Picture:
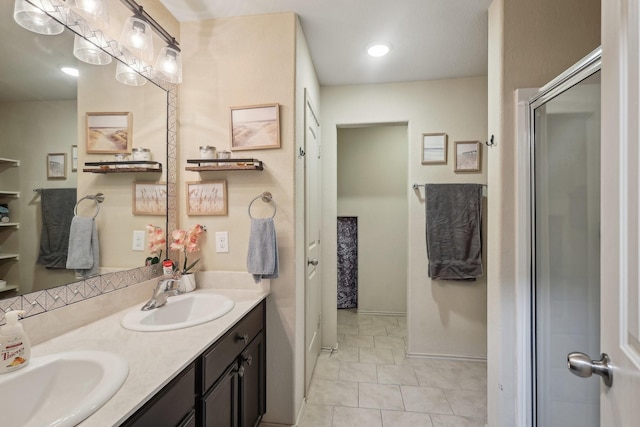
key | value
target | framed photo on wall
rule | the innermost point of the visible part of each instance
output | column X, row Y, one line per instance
column 467, row 156
column 434, row 148
column 207, row 198
column 109, row 133
column 57, row 166
column 255, row 127
column 149, row 198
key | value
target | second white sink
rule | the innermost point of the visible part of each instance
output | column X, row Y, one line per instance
column 179, row 312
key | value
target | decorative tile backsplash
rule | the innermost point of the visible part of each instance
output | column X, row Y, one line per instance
column 51, row 299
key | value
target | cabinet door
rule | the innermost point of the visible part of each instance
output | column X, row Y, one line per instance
column 220, row 405
column 253, row 390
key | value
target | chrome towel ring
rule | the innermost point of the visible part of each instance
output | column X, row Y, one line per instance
column 97, row 198
column 267, row 198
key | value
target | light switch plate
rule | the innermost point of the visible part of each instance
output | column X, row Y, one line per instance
column 138, row 240
column 222, row 241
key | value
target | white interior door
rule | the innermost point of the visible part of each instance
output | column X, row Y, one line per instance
column 312, row 240
column 620, row 262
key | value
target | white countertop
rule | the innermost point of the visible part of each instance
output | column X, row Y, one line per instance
column 154, row 357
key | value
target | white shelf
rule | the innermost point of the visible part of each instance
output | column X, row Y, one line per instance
column 10, row 193
column 9, row 224
column 8, row 288
column 9, row 256
column 11, row 162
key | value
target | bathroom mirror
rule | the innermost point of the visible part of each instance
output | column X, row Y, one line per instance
column 42, row 112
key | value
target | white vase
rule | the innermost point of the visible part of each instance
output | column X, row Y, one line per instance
column 188, row 282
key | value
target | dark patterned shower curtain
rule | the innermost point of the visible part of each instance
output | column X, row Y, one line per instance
column 347, row 262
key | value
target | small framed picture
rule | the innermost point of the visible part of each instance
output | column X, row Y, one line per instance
column 149, row 198
column 109, row 133
column 207, row 198
column 74, row 158
column 255, row 127
column 57, row 166
column 434, row 148
column 467, row 156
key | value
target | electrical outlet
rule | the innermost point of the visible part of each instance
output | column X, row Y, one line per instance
column 138, row 240
column 222, row 241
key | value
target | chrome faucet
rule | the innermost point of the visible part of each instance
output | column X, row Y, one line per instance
column 163, row 290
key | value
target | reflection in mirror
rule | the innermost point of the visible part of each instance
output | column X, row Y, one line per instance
column 43, row 111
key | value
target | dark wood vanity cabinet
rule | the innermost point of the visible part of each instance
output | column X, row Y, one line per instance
column 224, row 387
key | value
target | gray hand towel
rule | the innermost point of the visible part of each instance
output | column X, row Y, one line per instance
column 262, row 258
column 454, row 239
column 84, row 248
column 57, row 211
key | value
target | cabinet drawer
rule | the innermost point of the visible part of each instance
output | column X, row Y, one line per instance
column 223, row 353
column 171, row 405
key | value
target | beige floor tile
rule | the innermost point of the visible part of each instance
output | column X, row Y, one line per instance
column 439, row 376
column 379, row 396
column 376, row 355
column 397, row 374
column 425, row 399
column 316, row 416
column 379, row 330
column 385, row 320
column 356, row 417
column 327, row 392
column 348, row 354
column 397, row 331
column 389, row 342
column 357, row 341
column 358, row 372
column 348, row 329
column 400, row 356
column 405, row 419
column 327, row 369
column 473, row 378
column 468, row 403
column 455, row 421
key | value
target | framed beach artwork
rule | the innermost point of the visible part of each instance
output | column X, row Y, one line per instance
column 109, row 133
column 255, row 127
column 467, row 156
column 149, row 198
column 207, row 198
column 57, row 166
column 434, row 148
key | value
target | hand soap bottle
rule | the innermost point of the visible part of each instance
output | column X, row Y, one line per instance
column 15, row 349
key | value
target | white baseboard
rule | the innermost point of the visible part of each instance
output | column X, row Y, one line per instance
column 447, row 357
column 383, row 313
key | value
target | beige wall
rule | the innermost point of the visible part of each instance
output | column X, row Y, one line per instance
column 529, row 44
column 443, row 318
column 239, row 62
column 372, row 179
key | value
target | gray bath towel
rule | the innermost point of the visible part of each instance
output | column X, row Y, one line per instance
column 84, row 248
column 454, row 239
column 57, row 211
column 262, row 258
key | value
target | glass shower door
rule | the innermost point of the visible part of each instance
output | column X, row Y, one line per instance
column 566, row 253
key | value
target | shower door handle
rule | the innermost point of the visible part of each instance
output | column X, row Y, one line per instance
column 581, row 365
column 312, row 261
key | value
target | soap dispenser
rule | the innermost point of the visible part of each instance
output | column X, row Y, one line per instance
column 15, row 349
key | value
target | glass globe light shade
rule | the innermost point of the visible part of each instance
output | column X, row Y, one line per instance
column 94, row 11
column 128, row 76
column 87, row 52
column 34, row 19
column 137, row 37
column 169, row 65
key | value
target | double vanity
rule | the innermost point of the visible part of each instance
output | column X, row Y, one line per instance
column 176, row 366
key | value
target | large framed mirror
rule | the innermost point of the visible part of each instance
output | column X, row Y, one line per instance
column 43, row 112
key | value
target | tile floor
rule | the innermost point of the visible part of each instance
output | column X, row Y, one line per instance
column 369, row 382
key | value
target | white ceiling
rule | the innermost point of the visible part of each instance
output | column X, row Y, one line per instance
column 432, row 39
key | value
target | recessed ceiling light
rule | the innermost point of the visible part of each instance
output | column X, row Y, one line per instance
column 70, row 71
column 378, row 49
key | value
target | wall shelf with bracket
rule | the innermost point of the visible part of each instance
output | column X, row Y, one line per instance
column 206, row 165
column 122, row 167
column 10, row 162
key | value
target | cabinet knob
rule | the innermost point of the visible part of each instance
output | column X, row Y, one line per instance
column 247, row 359
column 243, row 337
column 241, row 371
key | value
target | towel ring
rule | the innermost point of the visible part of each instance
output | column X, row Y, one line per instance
column 98, row 198
column 267, row 198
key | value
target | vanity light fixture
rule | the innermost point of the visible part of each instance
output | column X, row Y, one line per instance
column 70, row 71
column 169, row 64
column 96, row 12
column 378, row 49
column 137, row 38
column 128, row 76
column 34, row 19
column 88, row 52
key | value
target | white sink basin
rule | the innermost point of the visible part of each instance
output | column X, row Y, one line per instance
column 60, row 389
column 179, row 312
